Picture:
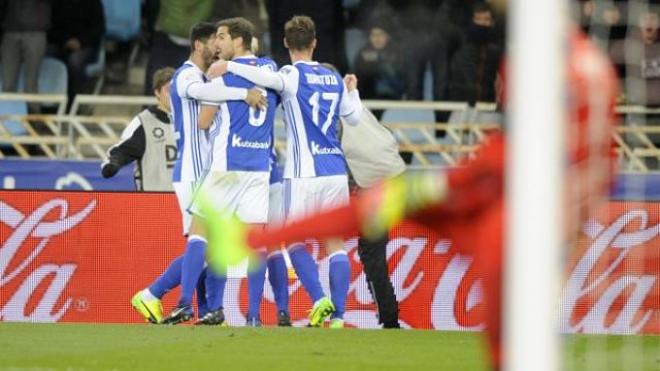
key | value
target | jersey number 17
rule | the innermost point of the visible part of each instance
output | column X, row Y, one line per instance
column 314, row 100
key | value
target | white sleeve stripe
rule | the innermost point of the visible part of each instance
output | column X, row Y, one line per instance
column 130, row 128
column 297, row 144
column 294, row 131
column 283, row 84
column 193, row 139
column 196, row 149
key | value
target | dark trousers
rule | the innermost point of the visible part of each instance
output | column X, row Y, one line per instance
column 373, row 254
column 28, row 49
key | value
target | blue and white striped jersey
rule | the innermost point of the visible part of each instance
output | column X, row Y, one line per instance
column 313, row 98
column 193, row 146
column 275, row 171
column 244, row 139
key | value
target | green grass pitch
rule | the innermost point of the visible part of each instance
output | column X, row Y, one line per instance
column 89, row 346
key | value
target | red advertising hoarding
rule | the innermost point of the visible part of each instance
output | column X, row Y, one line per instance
column 80, row 256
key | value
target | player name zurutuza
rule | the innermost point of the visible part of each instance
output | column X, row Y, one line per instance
column 313, row 79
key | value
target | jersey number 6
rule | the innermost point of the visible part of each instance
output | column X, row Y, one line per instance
column 258, row 117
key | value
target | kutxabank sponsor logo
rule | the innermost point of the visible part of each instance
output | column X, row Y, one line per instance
column 238, row 142
column 32, row 225
column 318, row 150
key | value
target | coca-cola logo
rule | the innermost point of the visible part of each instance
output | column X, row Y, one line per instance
column 588, row 278
column 28, row 226
column 611, row 284
column 598, row 276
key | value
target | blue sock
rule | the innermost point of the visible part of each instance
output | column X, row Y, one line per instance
column 340, row 277
column 170, row 279
column 193, row 264
column 256, row 277
column 215, row 289
column 307, row 271
column 279, row 281
column 202, row 304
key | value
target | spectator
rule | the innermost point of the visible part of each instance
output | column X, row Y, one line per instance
column 421, row 42
column 248, row 9
column 639, row 57
column 148, row 140
column 75, row 37
column 328, row 15
column 605, row 21
column 473, row 68
column 170, row 46
column 25, row 23
column 379, row 66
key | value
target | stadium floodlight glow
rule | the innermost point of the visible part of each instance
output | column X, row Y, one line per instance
column 537, row 40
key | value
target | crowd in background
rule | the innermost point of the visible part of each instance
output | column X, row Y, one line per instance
column 69, row 30
column 459, row 43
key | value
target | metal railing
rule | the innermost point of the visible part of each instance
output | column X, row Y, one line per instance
column 78, row 136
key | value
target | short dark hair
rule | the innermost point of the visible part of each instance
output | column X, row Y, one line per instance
column 201, row 32
column 299, row 32
column 239, row 27
column 161, row 77
column 481, row 7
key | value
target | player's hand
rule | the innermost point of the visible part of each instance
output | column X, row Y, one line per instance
column 109, row 169
column 351, row 82
column 217, row 69
column 256, row 98
column 72, row 44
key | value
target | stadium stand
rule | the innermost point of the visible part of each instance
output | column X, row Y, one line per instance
column 122, row 19
column 13, row 107
column 76, row 136
column 52, row 77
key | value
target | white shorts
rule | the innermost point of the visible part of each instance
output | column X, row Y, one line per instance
column 275, row 205
column 306, row 196
column 184, row 194
column 244, row 193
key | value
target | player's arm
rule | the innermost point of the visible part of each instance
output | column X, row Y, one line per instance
column 283, row 81
column 259, row 76
column 350, row 107
column 131, row 148
column 215, row 92
column 206, row 115
column 190, row 85
column 255, row 98
column 423, row 197
column 470, row 186
column 373, row 212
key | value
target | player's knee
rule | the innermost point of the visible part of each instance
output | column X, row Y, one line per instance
column 197, row 227
column 274, row 253
column 334, row 245
column 295, row 246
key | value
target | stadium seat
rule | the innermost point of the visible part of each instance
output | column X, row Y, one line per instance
column 14, row 108
column 122, row 19
column 53, row 77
